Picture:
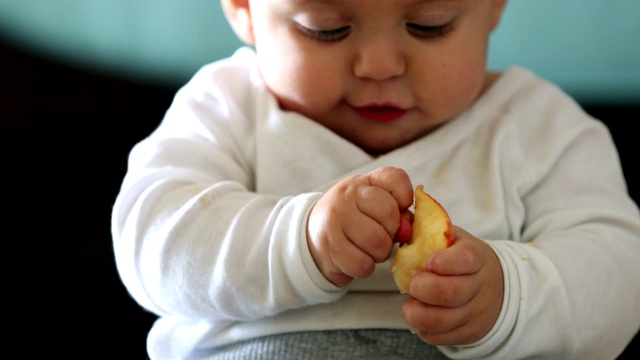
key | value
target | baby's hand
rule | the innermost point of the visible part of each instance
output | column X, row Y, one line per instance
column 353, row 225
column 458, row 300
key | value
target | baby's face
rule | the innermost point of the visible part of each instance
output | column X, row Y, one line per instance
column 380, row 73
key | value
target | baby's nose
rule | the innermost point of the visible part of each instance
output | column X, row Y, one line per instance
column 379, row 59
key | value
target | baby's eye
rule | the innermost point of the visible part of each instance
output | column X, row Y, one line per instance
column 326, row 35
column 429, row 31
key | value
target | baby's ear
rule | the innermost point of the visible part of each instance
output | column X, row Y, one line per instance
column 498, row 9
column 238, row 13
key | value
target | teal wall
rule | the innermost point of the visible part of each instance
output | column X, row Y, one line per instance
column 591, row 48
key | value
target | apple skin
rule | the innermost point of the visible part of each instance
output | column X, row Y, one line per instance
column 432, row 231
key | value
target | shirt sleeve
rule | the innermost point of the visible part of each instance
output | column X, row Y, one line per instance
column 572, row 281
column 191, row 238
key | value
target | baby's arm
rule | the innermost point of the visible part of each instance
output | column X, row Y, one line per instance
column 192, row 236
column 571, row 277
column 191, row 245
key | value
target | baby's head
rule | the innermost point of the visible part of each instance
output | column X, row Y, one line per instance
column 379, row 73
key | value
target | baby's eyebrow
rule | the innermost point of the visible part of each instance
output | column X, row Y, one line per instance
column 403, row 2
column 319, row 4
column 417, row 2
column 316, row 1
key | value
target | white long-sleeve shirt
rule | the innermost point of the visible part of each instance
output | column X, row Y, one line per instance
column 209, row 227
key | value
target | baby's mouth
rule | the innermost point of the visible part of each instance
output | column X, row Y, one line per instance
column 380, row 113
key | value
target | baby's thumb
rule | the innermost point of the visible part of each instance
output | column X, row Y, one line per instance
column 405, row 229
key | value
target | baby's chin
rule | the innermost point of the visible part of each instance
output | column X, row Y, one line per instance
column 380, row 146
column 385, row 141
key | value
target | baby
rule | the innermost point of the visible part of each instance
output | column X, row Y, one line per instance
column 259, row 219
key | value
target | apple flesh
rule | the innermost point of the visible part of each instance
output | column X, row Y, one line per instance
column 432, row 231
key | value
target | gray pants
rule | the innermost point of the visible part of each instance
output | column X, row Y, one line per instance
column 370, row 344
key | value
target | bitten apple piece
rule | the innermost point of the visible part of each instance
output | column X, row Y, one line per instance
column 432, row 231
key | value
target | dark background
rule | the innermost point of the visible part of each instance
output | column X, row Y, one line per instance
column 65, row 134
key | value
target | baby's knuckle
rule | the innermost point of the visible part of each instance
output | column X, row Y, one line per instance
column 467, row 257
column 380, row 245
column 448, row 292
column 432, row 323
column 363, row 267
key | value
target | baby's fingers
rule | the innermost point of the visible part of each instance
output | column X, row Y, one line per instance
column 380, row 206
column 443, row 291
column 396, row 182
column 370, row 237
column 352, row 263
column 434, row 324
column 464, row 257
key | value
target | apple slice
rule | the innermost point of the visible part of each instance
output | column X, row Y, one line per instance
column 432, row 231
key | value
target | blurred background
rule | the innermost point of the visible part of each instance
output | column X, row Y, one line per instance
column 590, row 48
column 84, row 80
